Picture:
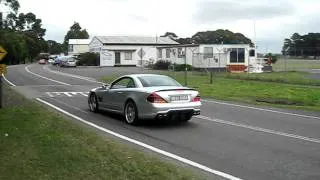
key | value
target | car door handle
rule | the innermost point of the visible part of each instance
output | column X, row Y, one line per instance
column 120, row 92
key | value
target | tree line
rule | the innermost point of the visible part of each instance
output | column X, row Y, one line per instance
column 22, row 35
column 220, row 36
column 302, row 45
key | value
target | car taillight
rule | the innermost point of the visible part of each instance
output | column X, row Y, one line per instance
column 196, row 99
column 155, row 98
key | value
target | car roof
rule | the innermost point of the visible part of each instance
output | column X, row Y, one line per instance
column 141, row 75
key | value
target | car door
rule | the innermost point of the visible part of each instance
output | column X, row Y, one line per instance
column 117, row 94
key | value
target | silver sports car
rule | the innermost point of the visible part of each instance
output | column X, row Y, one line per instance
column 146, row 96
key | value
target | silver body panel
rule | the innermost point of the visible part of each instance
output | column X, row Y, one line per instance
column 114, row 99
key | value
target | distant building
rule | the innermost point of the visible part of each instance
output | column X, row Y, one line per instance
column 232, row 57
column 127, row 50
column 78, row 46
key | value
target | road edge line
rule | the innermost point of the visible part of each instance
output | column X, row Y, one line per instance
column 8, row 81
column 162, row 152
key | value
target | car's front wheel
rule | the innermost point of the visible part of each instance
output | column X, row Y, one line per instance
column 93, row 102
column 131, row 113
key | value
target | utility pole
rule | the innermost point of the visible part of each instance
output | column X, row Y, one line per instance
column 185, row 65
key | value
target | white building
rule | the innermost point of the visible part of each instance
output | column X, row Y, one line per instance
column 127, row 50
column 78, row 46
column 234, row 57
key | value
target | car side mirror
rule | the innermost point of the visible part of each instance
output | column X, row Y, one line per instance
column 105, row 86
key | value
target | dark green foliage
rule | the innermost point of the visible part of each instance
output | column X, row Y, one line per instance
column 89, row 59
column 54, row 47
column 162, row 65
column 216, row 37
column 274, row 58
column 182, row 67
column 75, row 32
column 302, row 45
column 21, row 34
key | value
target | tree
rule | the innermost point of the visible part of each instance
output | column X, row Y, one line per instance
column 21, row 35
column 12, row 4
column 302, row 45
column 170, row 35
column 219, row 36
column 54, row 47
column 75, row 32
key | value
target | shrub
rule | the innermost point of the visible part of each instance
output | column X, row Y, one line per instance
column 182, row 67
column 162, row 65
column 89, row 59
column 274, row 58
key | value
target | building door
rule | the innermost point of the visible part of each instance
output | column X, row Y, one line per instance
column 117, row 57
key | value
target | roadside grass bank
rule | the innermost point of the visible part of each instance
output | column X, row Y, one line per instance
column 250, row 92
column 298, row 78
column 38, row 143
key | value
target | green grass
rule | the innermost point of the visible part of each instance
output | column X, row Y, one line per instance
column 295, row 65
column 252, row 92
column 36, row 143
column 299, row 78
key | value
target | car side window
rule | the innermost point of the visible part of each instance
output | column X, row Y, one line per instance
column 123, row 83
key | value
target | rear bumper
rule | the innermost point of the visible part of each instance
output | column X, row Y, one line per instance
column 175, row 114
column 170, row 113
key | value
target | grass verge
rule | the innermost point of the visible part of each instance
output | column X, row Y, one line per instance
column 251, row 92
column 299, row 78
column 37, row 143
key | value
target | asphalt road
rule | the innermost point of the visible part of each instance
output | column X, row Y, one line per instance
column 245, row 142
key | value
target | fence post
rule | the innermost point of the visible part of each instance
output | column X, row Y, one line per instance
column 211, row 77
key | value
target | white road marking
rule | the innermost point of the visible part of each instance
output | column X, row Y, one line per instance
column 165, row 153
column 27, row 69
column 261, row 109
column 49, row 94
column 255, row 128
column 69, row 94
column 11, row 84
column 83, row 94
column 72, row 75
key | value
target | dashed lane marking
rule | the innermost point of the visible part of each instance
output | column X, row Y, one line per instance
column 67, row 94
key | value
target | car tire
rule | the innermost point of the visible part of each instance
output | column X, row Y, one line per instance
column 131, row 113
column 93, row 102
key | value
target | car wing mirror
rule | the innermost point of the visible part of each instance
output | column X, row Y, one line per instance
column 106, row 86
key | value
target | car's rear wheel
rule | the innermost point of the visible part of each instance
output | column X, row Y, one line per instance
column 131, row 113
column 93, row 103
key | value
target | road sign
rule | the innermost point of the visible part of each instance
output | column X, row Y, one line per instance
column 3, row 69
column 3, row 53
column 141, row 53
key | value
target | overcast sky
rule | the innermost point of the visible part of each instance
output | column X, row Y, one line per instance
column 274, row 19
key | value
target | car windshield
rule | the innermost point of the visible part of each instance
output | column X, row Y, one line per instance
column 151, row 81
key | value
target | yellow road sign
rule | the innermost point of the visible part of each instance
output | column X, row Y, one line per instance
column 3, row 69
column 3, row 53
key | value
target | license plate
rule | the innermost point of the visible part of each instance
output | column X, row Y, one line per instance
column 179, row 98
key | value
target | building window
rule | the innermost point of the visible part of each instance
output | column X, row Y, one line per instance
column 159, row 53
column 167, row 53
column 252, row 53
column 208, row 52
column 180, row 53
column 237, row 55
column 128, row 55
column 70, row 48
